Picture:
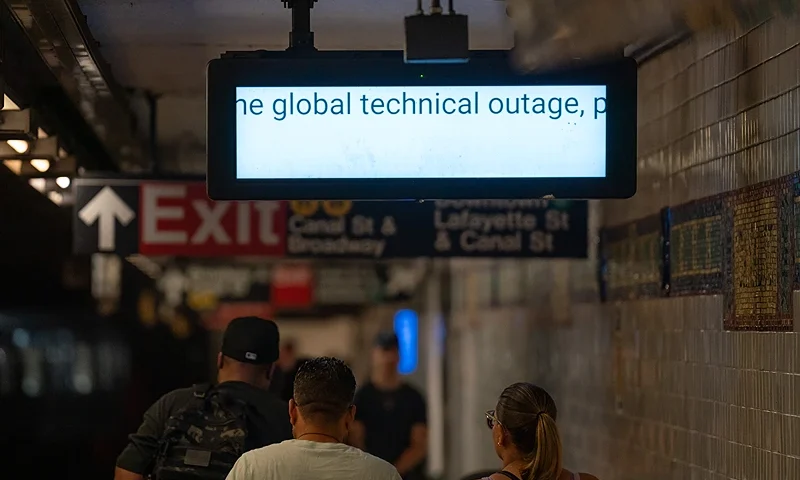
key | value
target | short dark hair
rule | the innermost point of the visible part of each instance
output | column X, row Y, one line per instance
column 387, row 341
column 324, row 388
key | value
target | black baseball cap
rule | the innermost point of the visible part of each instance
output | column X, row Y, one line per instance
column 251, row 340
column 387, row 341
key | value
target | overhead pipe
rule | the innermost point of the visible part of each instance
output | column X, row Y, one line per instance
column 550, row 33
column 58, row 29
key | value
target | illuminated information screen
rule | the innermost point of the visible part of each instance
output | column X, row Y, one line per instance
column 367, row 126
column 421, row 132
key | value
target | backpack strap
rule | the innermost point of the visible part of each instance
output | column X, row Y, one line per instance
column 255, row 427
column 200, row 393
column 201, row 390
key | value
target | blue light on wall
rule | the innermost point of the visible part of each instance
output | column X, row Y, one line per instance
column 406, row 327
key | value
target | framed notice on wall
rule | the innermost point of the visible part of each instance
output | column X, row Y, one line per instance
column 367, row 126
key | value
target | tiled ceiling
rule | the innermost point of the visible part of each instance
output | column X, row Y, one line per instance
column 163, row 45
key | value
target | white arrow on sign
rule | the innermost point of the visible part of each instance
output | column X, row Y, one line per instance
column 106, row 208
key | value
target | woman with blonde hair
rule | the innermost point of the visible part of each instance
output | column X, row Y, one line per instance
column 526, row 437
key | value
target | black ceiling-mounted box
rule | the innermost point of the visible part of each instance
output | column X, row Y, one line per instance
column 437, row 38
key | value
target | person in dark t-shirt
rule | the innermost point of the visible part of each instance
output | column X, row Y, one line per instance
column 246, row 363
column 391, row 415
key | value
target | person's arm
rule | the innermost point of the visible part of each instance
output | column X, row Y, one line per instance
column 122, row 474
column 418, row 448
column 136, row 459
column 416, row 451
column 357, row 434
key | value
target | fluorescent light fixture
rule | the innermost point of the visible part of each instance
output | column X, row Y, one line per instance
column 40, row 164
column 63, row 182
column 55, row 197
column 38, row 184
column 9, row 104
column 146, row 265
column 13, row 165
column 19, row 146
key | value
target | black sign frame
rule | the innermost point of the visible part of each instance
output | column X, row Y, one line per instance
column 486, row 68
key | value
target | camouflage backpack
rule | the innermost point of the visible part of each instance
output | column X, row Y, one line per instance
column 203, row 440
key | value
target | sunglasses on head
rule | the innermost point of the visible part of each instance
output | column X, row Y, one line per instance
column 491, row 419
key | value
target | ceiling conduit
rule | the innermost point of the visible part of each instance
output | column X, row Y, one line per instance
column 550, row 33
column 58, row 29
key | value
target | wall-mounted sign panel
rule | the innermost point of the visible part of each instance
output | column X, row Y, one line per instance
column 344, row 126
column 175, row 218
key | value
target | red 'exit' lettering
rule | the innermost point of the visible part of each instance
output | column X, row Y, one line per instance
column 179, row 219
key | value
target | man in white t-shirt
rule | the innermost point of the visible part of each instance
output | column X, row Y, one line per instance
column 321, row 413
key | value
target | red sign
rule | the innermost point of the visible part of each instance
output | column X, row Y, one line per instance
column 292, row 286
column 179, row 219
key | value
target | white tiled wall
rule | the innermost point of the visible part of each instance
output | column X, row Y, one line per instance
column 655, row 388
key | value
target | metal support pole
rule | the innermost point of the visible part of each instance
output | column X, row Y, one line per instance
column 301, row 37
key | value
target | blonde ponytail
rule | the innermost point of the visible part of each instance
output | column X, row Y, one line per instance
column 545, row 461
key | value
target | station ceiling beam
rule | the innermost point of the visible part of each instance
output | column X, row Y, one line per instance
column 57, row 31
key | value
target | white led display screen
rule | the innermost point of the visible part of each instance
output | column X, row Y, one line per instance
column 421, row 132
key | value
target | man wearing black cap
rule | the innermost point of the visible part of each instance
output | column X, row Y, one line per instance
column 246, row 363
column 391, row 415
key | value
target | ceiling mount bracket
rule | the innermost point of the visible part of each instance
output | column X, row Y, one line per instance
column 301, row 38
